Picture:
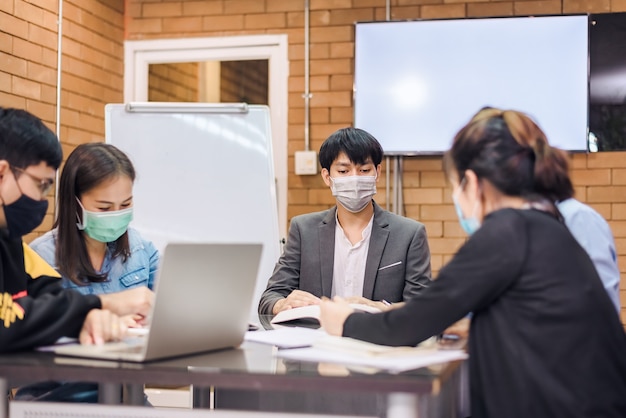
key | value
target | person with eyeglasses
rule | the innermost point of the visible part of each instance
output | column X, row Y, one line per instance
column 38, row 311
column 93, row 247
column 545, row 339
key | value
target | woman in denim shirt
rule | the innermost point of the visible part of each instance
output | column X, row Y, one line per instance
column 138, row 270
column 91, row 245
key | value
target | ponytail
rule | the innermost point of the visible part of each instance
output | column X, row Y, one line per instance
column 512, row 152
column 551, row 177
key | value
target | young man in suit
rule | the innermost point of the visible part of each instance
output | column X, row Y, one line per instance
column 355, row 250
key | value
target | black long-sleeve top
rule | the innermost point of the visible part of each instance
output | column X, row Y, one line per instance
column 545, row 340
column 35, row 311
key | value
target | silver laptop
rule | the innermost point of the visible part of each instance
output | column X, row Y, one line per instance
column 202, row 302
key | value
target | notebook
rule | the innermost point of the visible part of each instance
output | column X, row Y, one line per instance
column 203, row 298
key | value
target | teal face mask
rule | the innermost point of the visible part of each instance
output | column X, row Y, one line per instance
column 105, row 226
column 469, row 225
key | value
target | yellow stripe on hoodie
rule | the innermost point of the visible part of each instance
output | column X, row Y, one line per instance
column 36, row 266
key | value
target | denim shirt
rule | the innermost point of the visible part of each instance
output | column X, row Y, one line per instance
column 138, row 270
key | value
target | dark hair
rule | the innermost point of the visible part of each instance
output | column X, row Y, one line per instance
column 25, row 140
column 88, row 166
column 359, row 145
column 509, row 150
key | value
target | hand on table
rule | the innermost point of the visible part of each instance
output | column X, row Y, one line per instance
column 295, row 299
column 382, row 305
column 102, row 325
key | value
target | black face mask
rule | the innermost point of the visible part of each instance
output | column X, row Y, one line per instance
column 24, row 215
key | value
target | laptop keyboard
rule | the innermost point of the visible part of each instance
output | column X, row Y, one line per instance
column 128, row 345
column 129, row 349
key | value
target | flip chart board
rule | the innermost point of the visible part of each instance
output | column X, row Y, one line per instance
column 204, row 174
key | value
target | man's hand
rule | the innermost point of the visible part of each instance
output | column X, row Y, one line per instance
column 365, row 301
column 101, row 326
column 295, row 299
column 137, row 301
column 382, row 305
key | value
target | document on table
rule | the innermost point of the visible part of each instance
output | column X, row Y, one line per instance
column 312, row 312
column 288, row 337
column 350, row 352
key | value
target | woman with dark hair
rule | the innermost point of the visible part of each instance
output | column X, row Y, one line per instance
column 92, row 246
column 545, row 340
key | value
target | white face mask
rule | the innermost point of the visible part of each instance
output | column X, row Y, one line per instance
column 353, row 192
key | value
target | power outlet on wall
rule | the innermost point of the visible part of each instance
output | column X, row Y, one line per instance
column 306, row 162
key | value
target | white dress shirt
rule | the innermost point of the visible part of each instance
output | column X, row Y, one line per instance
column 349, row 264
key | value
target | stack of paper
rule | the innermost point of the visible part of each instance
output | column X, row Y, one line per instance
column 394, row 363
column 288, row 337
column 363, row 348
column 306, row 344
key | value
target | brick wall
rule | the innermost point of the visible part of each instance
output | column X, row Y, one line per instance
column 244, row 81
column 28, row 62
column 600, row 179
column 173, row 82
column 92, row 66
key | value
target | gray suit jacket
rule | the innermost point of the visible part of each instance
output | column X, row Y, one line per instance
column 397, row 266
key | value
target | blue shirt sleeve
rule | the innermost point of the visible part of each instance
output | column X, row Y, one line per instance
column 45, row 246
column 153, row 255
column 594, row 234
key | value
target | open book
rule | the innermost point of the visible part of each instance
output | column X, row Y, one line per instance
column 312, row 312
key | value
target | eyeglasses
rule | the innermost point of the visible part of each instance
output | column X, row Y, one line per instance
column 44, row 185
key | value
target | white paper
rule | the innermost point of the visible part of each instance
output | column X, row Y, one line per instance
column 356, row 347
column 288, row 337
column 392, row 364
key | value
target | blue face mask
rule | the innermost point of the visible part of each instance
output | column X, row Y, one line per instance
column 469, row 225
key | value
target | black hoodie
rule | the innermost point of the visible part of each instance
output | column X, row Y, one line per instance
column 35, row 311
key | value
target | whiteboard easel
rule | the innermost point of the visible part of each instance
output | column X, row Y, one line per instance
column 204, row 173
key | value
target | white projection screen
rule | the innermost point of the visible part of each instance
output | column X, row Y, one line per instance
column 418, row 82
